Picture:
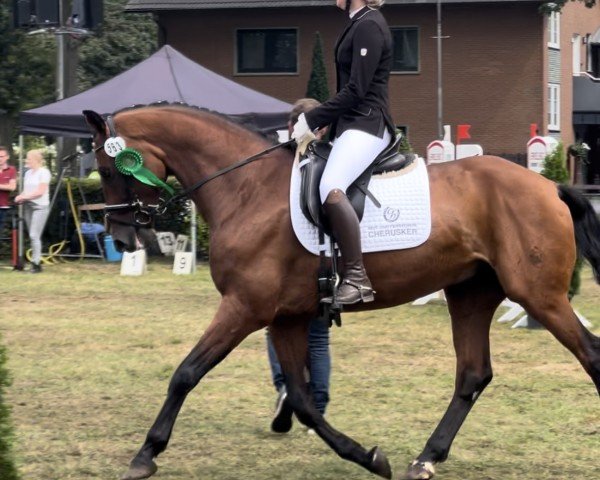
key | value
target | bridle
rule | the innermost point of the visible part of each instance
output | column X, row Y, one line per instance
column 144, row 213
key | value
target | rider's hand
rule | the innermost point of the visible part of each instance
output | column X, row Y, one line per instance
column 301, row 130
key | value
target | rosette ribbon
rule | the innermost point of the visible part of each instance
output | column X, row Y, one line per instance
column 131, row 162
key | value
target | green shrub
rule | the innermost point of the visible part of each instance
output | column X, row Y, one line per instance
column 61, row 226
column 555, row 165
column 8, row 470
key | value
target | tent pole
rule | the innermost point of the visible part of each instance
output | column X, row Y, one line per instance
column 193, row 233
column 20, row 249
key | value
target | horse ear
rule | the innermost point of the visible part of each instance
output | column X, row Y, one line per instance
column 95, row 121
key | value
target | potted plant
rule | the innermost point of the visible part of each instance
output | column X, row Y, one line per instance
column 578, row 167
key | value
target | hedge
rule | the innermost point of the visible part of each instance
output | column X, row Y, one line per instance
column 8, row 471
column 60, row 222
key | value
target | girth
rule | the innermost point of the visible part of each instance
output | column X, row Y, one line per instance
column 312, row 165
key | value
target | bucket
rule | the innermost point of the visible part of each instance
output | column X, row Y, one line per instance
column 110, row 251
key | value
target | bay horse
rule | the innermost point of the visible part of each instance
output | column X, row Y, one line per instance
column 498, row 231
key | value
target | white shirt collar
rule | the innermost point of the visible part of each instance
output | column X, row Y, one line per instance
column 354, row 12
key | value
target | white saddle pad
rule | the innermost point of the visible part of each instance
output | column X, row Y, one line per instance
column 403, row 221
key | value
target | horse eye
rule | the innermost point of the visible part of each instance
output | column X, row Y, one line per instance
column 104, row 172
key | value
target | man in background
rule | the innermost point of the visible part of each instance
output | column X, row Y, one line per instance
column 8, row 183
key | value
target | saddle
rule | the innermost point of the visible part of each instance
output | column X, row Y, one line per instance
column 312, row 165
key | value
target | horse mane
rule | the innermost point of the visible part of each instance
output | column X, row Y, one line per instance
column 238, row 121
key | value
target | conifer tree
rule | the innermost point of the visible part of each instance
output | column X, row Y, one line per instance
column 8, row 470
column 317, row 84
column 555, row 165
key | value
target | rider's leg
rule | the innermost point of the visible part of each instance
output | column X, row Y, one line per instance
column 352, row 153
column 355, row 286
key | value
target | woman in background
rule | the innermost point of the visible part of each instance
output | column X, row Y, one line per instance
column 35, row 198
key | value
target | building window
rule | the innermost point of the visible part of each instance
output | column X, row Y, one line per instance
column 554, row 30
column 576, row 54
column 553, row 107
column 406, row 49
column 267, row 51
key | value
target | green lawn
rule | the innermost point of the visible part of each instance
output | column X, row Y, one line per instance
column 91, row 354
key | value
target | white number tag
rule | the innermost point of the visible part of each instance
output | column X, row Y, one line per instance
column 113, row 146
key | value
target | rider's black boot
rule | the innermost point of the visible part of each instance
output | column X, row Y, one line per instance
column 355, row 286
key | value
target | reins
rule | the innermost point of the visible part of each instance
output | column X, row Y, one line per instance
column 223, row 171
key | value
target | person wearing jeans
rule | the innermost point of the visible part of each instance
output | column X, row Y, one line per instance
column 35, row 198
column 319, row 359
column 319, row 370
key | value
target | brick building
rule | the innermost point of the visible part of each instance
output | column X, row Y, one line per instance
column 505, row 65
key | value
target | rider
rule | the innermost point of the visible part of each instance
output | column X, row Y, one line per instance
column 362, row 126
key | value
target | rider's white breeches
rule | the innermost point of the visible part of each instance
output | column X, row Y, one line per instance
column 352, row 153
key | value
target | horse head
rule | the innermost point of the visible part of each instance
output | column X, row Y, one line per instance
column 132, row 173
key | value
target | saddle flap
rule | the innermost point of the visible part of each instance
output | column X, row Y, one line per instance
column 313, row 164
column 311, row 168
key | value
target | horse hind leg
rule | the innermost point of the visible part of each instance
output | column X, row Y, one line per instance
column 289, row 338
column 555, row 313
column 472, row 305
column 226, row 331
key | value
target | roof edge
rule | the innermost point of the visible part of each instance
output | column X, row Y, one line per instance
column 141, row 6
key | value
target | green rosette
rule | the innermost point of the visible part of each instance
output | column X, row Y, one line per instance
column 131, row 162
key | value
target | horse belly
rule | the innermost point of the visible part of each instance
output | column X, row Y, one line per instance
column 403, row 276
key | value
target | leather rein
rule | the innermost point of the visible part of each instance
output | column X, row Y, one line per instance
column 143, row 213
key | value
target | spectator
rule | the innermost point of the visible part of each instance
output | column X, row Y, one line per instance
column 319, row 359
column 8, row 183
column 35, row 198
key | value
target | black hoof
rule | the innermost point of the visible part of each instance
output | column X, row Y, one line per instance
column 137, row 471
column 379, row 464
column 282, row 420
column 419, row 471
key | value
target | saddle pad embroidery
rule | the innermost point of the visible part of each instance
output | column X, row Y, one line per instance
column 403, row 221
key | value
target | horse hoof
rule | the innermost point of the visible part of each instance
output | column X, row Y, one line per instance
column 138, row 471
column 379, row 464
column 420, row 471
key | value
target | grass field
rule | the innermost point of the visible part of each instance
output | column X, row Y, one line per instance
column 91, row 354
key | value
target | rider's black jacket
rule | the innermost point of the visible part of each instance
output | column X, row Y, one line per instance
column 363, row 55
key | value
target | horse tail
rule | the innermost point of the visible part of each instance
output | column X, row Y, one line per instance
column 587, row 226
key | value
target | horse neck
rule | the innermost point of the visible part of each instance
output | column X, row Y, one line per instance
column 240, row 193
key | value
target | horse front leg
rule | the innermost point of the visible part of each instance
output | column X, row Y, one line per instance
column 472, row 305
column 289, row 338
column 229, row 327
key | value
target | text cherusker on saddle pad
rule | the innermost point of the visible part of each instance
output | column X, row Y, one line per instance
column 403, row 221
